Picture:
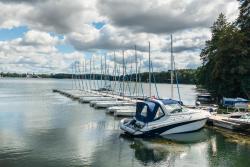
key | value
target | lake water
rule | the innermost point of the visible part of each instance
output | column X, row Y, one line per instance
column 42, row 128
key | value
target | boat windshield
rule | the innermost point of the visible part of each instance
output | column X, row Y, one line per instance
column 175, row 108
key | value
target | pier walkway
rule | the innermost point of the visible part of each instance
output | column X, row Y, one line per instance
column 123, row 106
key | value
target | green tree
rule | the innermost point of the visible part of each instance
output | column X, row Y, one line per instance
column 225, row 61
column 243, row 22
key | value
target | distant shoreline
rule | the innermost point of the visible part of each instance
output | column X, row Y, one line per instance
column 88, row 79
column 185, row 76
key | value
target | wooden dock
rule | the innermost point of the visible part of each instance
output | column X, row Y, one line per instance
column 221, row 120
column 103, row 100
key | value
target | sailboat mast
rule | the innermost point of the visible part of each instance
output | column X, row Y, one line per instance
column 114, row 74
column 77, row 84
column 93, row 64
column 101, row 72
column 72, row 70
column 149, row 68
column 123, row 73
column 136, row 67
column 83, row 74
column 105, row 70
column 90, row 68
column 172, row 69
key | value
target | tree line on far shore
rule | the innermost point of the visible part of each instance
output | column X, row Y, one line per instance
column 185, row 76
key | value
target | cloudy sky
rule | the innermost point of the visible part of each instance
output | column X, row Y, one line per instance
column 47, row 36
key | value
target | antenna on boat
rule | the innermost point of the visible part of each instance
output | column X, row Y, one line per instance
column 149, row 68
column 172, row 69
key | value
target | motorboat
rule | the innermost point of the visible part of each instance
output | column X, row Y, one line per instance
column 205, row 98
column 240, row 117
column 163, row 117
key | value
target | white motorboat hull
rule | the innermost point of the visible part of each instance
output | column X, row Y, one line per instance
column 190, row 127
column 151, row 120
column 174, row 128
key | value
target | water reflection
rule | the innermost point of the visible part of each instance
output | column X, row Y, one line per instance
column 168, row 150
column 147, row 153
column 192, row 137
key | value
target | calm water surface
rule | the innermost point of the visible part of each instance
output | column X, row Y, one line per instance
column 41, row 128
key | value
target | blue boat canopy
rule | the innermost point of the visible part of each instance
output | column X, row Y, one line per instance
column 230, row 102
column 151, row 109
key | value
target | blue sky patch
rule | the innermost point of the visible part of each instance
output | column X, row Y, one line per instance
column 13, row 33
column 98, row 25
column 65, row 48
column 53, row 34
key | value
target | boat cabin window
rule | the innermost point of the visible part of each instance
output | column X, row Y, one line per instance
column 174, row 108
column 171, row 107
column 177, row 110
column 144, row 111
column 159, row 113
